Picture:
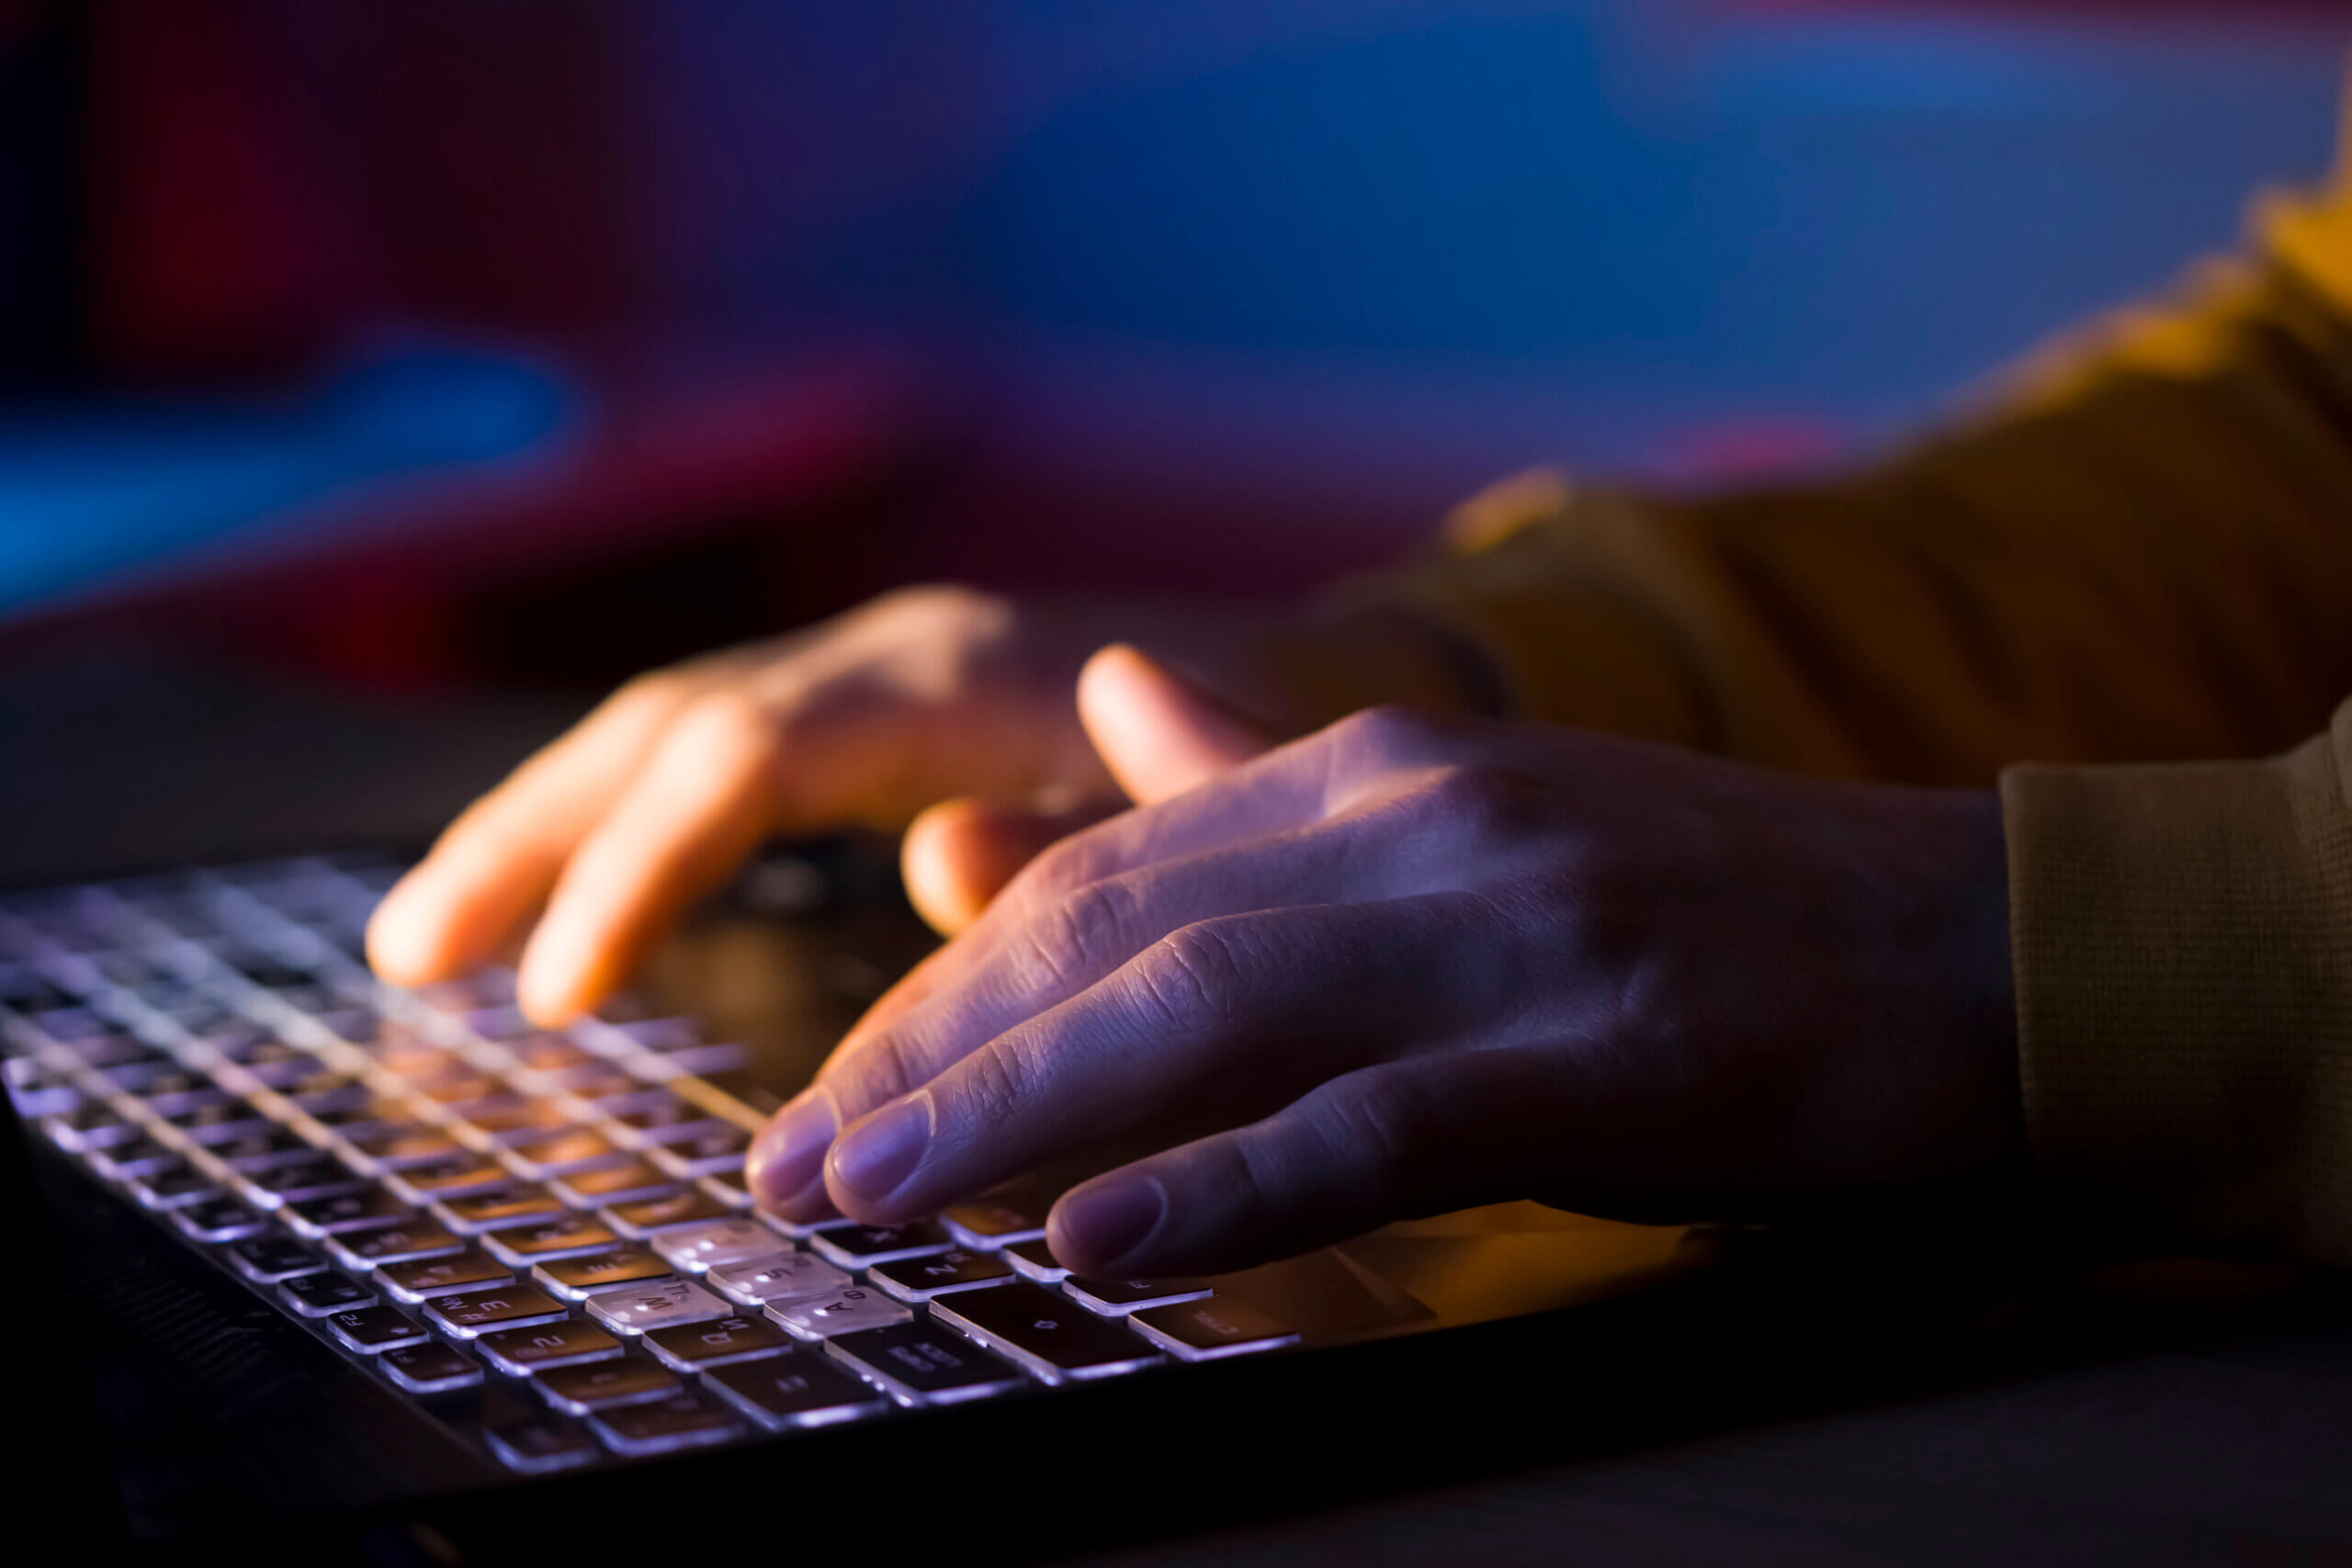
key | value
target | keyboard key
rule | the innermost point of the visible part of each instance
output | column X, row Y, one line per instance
column 372, row 1330
column 715, row 1243
column 461, row 1176
column 256, row 1151
column 519, row 1352
column 709, row 1153
column 505, row 1119
column 369, row 1208
column 565, row 1153
column 502, row 1210
column 414, row 1283
column 797, row 1390
column 315, row 1295
column 88, row 1126
column 921, row 1278
column 1204, row 1330
column 727, row 1187
column 921, row 1363
column 430, row 1367
column 606, row 1384
column 642, row 1310
column 174, row 1186
column 651, row 1216
column 217, row 1219
column 218, row 1120
column 541, row 1442
column 671, row 1116
column 484, row 1312
column 577, row 1278
column 321, row 1176
column 633, row 1181
column 401, row 1145
column 695, row 1346
column 575, row 1235
column 265, row 1259
column 1052, row 1336
column 405, row 1242
column 786, row 1275
column 840, row 1312
column 860, row 1246
column 140, row 1156
column 997, row 1222
column 1116, row 1298
column 685, row 1421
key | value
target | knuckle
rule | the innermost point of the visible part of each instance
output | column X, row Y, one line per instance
column 1191, row 978
column 1480, row 800
column 1000, row 1080
column 1057, row 946
column 726, row 721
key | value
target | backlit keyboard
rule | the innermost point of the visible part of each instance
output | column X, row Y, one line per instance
column 543, row 1238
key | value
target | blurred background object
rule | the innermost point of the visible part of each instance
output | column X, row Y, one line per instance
column 424, row 345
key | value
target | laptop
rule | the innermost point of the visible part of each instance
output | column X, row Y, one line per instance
column 349, row 1263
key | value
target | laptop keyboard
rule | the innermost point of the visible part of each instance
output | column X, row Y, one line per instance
column 541, row 1238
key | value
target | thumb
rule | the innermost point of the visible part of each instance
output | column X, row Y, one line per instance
column 1159, row 733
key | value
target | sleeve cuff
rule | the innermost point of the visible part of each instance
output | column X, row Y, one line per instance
column 2183, row 941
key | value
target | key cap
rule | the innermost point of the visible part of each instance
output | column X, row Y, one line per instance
column 430, row 1367
column 407, row 1242
column 577, row 1278
column 695, row 1346
column 684, row 1421
column 715, row 1243
column 651, row 1216
column 996, row 1221
column 520, row 1352
column 140, row 1156
column 539, row 1443
column 842, row 1312
column 174, row 1186
column 460, row 1176
column 218, row 1120
column 1054, row 1338
column 860, row 1246
column 372, row 1330
column 727, row 1187
column 603, row 1385
column 414, row 1283
column 256, row 1151
column 315, row 1295
column 88, row 1126
column 631, row 1182
column 797, row 1390
column 1204, row 1330
column 368, row 1209
column 404, row 1145
column 322, row 1176
column 704, row 1154
column 785, row 1276
column 574, row 1150
column 573, row 1236
column 217, row 1219
column 921, row 1363
column 265, row 1259
column 502, row 1210
column 671, row 1116
column 641, row 1309
column 1116, row 1298
column 921, row 1278
column 512, row 1307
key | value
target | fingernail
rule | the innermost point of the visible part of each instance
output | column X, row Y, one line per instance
column 873, row 1161
column 789, row 1154
column 1109, row 1220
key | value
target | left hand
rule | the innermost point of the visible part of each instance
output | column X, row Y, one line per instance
column 1416, row 964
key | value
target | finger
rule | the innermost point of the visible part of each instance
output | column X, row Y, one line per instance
column 959, row 854
column 494, row 863
column 1158, row 733
column 1244, row 1008
column 1396, row 1141
column 703, row 802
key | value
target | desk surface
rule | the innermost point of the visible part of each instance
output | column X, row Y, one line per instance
column 2158, row 1414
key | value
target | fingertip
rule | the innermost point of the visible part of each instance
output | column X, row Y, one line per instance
column 936, row 861
column 407, row 944
column 1105, row 1227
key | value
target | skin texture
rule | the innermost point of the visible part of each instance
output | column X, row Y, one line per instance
column 1408, row 964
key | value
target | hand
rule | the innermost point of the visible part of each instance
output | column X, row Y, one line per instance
column 919, row 697
column 1413, row 964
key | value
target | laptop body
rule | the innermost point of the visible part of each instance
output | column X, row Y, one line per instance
column 233, row 1410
